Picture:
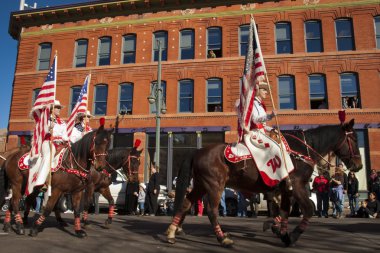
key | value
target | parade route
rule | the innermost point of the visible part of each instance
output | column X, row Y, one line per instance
column 146, row 234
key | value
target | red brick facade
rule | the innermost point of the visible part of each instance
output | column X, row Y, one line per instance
column 63, row 26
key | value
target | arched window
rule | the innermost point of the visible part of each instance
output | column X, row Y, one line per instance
column 284, row 38
column 75, row 91
column 100, row 99
column 317, row 89
column 126, row 98
column 80, row 57
column 286, row 92
column 214, row 95
column 129, row 49
column 104, row 51
column 162, row 37
column 187, row 44
column 344, row 35
column 44, row 54
column 313, row 36
column 350, row 93
column 214, row 42
column 186, row 96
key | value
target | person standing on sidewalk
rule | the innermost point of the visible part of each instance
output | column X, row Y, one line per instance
column 321, row 188
column 353, row 193
column 153, row 190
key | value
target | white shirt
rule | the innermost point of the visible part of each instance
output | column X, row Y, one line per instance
column 60, row 132
column 76, row 135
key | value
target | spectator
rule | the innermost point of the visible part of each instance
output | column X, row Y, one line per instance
column 199, row 207
column 372, row 179
column 353, row 193
column 321, row 188
column 141, row 197
column 131, row 195
column 242, row 207
column 376, row 184
column 211, row 54
column 336, row 194
column 354, row 102
column 153, row 190
column 370, row 207
column 345, row 185
column 223, row 203
column 345, row 102
column 254, row 202
column 39, row 199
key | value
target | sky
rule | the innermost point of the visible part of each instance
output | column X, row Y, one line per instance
column 8, row 48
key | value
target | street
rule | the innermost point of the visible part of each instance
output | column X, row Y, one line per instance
column 146, row 234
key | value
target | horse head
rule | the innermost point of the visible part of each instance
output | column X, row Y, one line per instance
column 132, row 164
column 347, row 148
column 99, row 146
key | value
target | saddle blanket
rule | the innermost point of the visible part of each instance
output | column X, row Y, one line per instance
column 23, row 162
column 237, row 152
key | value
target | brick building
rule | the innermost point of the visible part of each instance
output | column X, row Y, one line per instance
column 317, row 54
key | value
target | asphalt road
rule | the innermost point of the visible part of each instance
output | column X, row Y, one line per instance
column 146, row 234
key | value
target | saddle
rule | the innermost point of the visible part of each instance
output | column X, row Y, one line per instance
column 23, row 162
column 237, row 152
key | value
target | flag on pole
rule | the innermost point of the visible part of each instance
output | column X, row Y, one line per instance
column 80, row 106
column 254, row 72
column 41, row 109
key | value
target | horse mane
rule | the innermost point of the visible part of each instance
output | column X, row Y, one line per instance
column 117, row 155
column 80, row 148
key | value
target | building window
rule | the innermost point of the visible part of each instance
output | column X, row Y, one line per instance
column 350, row 90
column 80, row 57
column 186, row 95
column 214, row 42
column 44, row 56
column 100, row 101
column 161, row 36
column 187, row 44
column 126, row 98
column 317, row 89
column 129, row 49
column 284, row 38
column 214, row 95
column 344, row 35
column 163, row 87
column 75, row 91
column 286, row 92
column 35, row 95
column 313, row 36
column 244, row 37
column 377, row 31
column 104, row 55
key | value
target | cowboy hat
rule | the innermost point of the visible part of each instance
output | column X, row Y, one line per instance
column 263, row 85
column 142, row 185
column 87, row 114
column 57, row 104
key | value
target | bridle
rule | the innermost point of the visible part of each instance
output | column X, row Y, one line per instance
column 128, row 163
column 94, row 155
column 348, row 137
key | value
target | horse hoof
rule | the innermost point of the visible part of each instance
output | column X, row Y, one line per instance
column 276, row 230
column 285, row 239
column 180, row 232
column 7, row 227
column 171, row 240
column 33, row 232
column 227, row 242
column 107, row 223
column 80, row 233
column 20, row 229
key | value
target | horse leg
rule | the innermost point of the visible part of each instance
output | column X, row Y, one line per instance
column 111, row 205
column 7, row 221
column 59, row 219
column 52, row 200
column 178, row 218
column 302, row 197
column 20, row 230
column 213, row 212
column 88, row 193
column 76, row 198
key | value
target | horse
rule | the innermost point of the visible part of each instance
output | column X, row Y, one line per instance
column 129, row 161
column 211, row 172
column 71, row 178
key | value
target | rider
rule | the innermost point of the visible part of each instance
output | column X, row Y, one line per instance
column 81, row 126
column 59, row 138
column 259, row 130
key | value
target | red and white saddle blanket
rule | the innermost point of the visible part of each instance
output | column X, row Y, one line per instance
column 266, row 153
column 23, row 162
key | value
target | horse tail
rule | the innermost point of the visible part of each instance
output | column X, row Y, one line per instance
column 183, row 181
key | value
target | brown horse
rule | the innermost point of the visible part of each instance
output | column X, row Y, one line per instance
column 71, row 178
column 129, row 161
column 212, row 172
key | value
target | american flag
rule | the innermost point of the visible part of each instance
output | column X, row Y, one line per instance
column 80, row 106
column 254, row 72
column 41, row 109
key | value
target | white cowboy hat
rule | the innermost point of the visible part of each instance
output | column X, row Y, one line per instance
column 142, row 185
column 57, row 104
column 88, row 114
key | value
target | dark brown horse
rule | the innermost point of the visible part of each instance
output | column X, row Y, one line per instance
column 212, row 172
column 129, row 161
column 71, row 178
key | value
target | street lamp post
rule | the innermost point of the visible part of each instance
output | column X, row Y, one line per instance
column 156, row 97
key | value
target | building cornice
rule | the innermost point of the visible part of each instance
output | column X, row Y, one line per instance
column 62, row 14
